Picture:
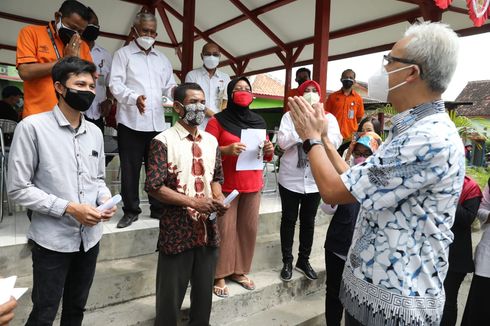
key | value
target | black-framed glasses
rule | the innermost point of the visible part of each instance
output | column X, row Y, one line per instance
column 390, row 59
column 359, row 154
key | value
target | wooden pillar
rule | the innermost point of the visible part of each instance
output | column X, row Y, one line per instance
column 430, row 11
column 188, row 37
column 321, row 40
column 288, row 66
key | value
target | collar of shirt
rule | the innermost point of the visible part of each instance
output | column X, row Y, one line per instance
column 134, row 48
column 404, row 120
column 184, row 133
column 216, row 74
column 352, row 92
column 63, row 122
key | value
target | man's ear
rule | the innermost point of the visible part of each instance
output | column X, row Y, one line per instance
column 177, row 108
column 58, row 88
column 414, row 74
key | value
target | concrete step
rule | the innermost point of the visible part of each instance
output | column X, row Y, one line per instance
column 270, row 292
column 306, row 311
column 121, row 280
column 138, row 239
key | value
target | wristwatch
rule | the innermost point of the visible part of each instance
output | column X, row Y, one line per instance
column 309, row 143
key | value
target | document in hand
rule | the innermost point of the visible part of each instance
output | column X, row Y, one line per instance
column 7, row 289
column 251, row 158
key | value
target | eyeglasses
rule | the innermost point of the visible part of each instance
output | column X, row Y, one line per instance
column 387, row 59
column 214, row 54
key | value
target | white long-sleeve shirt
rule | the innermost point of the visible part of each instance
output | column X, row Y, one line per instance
column 102, row 60
column 300, row 180
column 135, row 73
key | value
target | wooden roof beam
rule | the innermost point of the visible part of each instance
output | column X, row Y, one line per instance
column 259, row 24
column 169, row 29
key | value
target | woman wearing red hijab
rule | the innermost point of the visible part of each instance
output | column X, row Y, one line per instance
column 297, row 187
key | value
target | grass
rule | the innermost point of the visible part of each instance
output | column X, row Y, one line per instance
column 480, row 174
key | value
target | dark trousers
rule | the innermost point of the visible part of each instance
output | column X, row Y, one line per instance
column 59, row 275
column 291, row 202
column 133, row 150
column 452, row 284
column 351, row 321
column 476, row 310
column 99, row 123
column 174, row 272
column 333, row 307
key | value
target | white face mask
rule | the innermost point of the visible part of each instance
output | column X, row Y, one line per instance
column 312, row 97
column 210, row 61
column 145, row 41
column 378, row 84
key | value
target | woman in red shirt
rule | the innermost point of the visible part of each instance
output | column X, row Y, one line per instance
column 238, row 227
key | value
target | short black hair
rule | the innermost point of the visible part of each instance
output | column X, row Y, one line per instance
column 11, row 91
column 300, row 70
column 66, row 67
column 69, row 7
column 91, row 14
column 348, row 70
column 181, row 91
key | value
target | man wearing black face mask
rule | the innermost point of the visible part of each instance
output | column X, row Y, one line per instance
column 102, row 104
column 346, row 105
column 56, row 169
column 40, row 47
column 302, row 75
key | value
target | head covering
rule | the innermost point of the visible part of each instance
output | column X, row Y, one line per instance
column 302, row 87
column 11, row 91
column 235, row 117
column 470, row 190
column 370, row 140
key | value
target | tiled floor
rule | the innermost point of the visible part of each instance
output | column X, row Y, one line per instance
column 13, row 228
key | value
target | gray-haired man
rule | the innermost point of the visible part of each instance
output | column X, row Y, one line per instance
column 140, row 76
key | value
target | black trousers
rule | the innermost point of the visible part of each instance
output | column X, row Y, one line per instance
column 99, row 123
column 133, row 150
column 333, row 307
column 291, row 202
column 59, row 275
column 476, row 310
column 174, row 272
column 452, row 283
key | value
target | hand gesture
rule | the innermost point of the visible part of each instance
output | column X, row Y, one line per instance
column 309, row 122
column 85, row 214
column 108, row 213
column 140, row 103
column 205, row 205
column 268, row 147
column 72, row 48
column 105, row 108
column 7, row 311
column 235, row 149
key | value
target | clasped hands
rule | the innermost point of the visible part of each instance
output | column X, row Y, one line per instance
column 309, row 121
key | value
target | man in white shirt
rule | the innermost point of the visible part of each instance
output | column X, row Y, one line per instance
column 101, row 106
column 212, row 81
column 140, row 76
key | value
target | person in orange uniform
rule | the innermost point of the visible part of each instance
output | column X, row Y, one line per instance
column 302, row 75
column 346, row 105
column 39, row 48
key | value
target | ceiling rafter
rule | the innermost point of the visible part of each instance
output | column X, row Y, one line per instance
column 259, row 24
column 177, row 15
column 169, row 29
column 258, row 11
column 351, row 30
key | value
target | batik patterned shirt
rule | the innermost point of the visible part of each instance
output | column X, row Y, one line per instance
column 187, row 165
column 408, row 193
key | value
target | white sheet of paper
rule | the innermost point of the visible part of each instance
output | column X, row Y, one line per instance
column 248, row 160
column 7, row 289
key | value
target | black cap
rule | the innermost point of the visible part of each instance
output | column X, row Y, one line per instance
column 11, row 91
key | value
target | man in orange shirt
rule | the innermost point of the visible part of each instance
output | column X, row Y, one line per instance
column 40, row 47
column 346, row 105
column 302, row 75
